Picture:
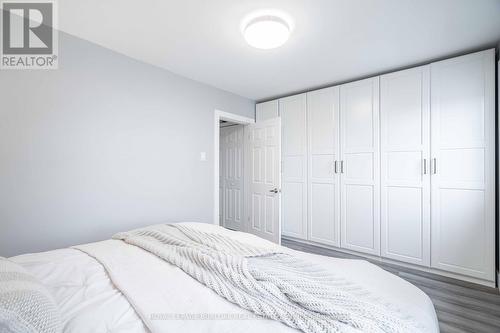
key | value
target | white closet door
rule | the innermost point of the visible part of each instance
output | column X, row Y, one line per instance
column 405, row 176
column 360, row 180
column 294, row 172
column 266, row 110
column 463, row 172
column 323, row 180
column 231, row 152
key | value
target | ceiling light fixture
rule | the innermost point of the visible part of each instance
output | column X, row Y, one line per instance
column 266, row 29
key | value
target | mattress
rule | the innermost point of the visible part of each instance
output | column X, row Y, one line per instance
column 93, row 301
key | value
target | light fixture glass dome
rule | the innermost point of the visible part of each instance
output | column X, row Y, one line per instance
column 266, row 32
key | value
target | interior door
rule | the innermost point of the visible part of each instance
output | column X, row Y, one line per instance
column 359, row 166
column 463, row 165
column 264, row 181
column 231, row 157
column 323, row 168
column 405, row 173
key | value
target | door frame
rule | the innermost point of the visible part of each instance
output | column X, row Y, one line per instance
column 218, row 116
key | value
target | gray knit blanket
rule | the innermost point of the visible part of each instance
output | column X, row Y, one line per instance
column 272, row 284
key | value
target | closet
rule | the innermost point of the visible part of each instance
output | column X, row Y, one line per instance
column 405, row 164
column 294, row 166
column 359, row 166
column 463, row 165
column 323, row 182
column 399, row 167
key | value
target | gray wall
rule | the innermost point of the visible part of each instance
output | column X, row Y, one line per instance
column 103, row 144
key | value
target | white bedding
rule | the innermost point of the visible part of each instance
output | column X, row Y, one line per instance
column 91, row 302
column 87, row 298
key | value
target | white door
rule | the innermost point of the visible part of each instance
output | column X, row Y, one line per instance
column 264, row 181
column 323, row 169
column 294, row 206
column 463, row 165
column 231, row 157
column 360, row 178
column 405, row 176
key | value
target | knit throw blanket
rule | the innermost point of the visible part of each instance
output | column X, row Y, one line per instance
column 270, row 283
column 26, row 305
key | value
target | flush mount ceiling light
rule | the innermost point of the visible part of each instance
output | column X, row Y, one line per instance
column 267, row 29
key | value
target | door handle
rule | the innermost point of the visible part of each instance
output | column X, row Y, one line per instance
column 342, row 166
column 434, row 165
column 275, row 190
column 335, row 167
column 425, row 166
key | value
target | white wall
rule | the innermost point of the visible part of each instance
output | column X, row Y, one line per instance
column 105, row 143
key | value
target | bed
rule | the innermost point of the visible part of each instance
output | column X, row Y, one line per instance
column 112, row 286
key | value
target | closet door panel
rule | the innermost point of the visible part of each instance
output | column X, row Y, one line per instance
column 294, row 169
column 404, row 229
column 463, row 179
column 405, row 176
column 359, row 167
column 462, row 230
column 405, row 167
column 322, row 213
column 359, row 229
column 323, row 151
column 293, row 211
column 266, row 110
column 360, row 180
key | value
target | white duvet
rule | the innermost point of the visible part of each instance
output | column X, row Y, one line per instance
column 168, row 300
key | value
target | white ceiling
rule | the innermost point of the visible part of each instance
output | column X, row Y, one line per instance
column 333, row 40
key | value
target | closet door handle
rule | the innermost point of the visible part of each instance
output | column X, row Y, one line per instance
column 434, row 165
column 335, row 167
column 425, row 166
column 342, row 166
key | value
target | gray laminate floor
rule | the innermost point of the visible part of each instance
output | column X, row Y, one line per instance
column 460, row 306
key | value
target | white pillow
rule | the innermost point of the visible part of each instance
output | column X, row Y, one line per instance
column 26, row 305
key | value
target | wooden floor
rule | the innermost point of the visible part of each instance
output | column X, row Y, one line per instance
column 460, row 306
